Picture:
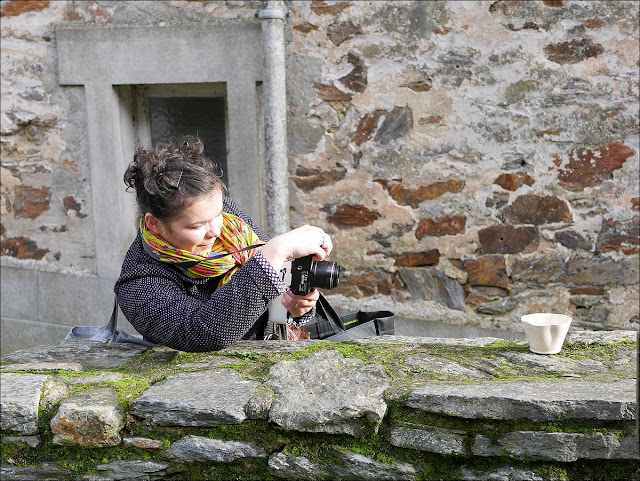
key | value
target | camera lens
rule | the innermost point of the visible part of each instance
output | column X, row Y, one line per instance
column 324, row 274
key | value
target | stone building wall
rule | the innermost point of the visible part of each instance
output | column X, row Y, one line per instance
column 473, row 161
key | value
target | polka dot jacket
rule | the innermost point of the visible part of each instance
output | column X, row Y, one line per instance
column 169, row 308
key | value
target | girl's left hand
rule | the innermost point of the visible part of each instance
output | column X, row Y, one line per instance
column 299, row 305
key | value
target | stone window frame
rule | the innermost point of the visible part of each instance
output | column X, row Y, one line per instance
column 110, row 61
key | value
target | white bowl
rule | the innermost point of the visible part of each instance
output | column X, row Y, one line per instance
column 546, row 332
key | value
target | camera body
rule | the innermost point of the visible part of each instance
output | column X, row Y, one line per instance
column 302, row 276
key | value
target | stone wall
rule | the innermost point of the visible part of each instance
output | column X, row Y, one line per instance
column 386, row 408
column 474, row 161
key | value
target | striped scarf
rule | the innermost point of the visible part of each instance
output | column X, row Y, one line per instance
column 224, row 259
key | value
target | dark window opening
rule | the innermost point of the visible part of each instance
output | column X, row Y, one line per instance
column 203, row 116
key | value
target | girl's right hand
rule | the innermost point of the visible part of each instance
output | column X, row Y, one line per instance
column 296, row 243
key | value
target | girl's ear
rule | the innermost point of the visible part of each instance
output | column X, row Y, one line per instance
column 152, row 223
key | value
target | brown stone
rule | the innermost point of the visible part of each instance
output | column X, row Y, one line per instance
column 413, row 197
column 538, row 271
column 635, row 203
column 72, row 166
column 22, row 248
column 577, row 271
column 513, row 181
column 341, row 31
column 572, row 240
column 537, row 210
column 397, row 123
column 573, row 51
column 488, row 271
column 305, row 27
column 618, row 236
column 475, row 299
column 528, row 26
column 88, row 12
column 367, row 127
column 601, row 271
column 588, row 168
column 458, row 264
column 507, row 7
column 542, row 133
column 492, row 293
column 18, row 7
column 587, row 291
column 30, row 203
column 419, row 86
column 320, row 7
column 347, row 215
column 593, row 23
column 309, row 179
column 506, row 239
column 356, row 80
column 433, row 119
column 365, row 284
column 144, row 443
column 331, row 92
column 445, row 226
column 553, row 3
column 71, row 204
column 497, row 200
column 417, row 259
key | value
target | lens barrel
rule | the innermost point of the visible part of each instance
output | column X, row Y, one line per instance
column 324, row 274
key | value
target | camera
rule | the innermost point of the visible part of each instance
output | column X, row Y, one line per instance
column 302, row 276
column 307, row 274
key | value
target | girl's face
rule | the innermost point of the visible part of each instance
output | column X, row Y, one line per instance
column 196, row 229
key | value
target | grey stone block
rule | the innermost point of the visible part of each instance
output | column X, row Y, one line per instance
column 437, row 364
column 31, row 441
column 562, row 447
column 347, row 466
column 428, row 438
column 45, row 471
column 539, row 402
column 19, row 401
column 130, row 470
column 553, row 363
column 200, row 449
column 91, row 355
column 209, row 398
column 327, row 392
column 91, row 418
column 288, row 466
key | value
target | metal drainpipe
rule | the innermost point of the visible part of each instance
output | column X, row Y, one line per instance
column 275, row 121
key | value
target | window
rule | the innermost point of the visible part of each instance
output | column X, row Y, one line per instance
column 167, row 111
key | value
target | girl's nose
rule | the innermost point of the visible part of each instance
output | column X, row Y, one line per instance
column 214, row 229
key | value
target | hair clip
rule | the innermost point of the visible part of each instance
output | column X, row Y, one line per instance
column 171, row 183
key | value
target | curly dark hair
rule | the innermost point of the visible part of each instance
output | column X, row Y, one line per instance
column 169, row 177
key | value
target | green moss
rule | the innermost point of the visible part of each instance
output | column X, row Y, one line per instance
column 247, row 469
column 127, row 390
